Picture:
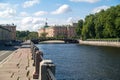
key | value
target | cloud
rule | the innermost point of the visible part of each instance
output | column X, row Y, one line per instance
column 6, row 11
column 38, row 20
column 23, row 14
column 40, row 13
column 27, row 20
column 62, row 9
column 89, row 1
column 98, row 9
column 3, row 5
column 30, row 3
column 70, row 20
column 31, row 23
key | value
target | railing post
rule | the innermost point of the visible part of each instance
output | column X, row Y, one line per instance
column 34, row 54
column 32, row 48
column 38, row 59
column 44, row 66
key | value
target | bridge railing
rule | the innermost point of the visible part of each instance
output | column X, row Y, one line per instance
column 44, row 69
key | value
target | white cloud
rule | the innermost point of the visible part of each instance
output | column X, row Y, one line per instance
column 23, row 14
column 6, row 11
column 73, row 20
column 70, row 20
column 27, row 20
column 30, row 3
column 62, row 9
column 3, row 6
column 40, row 13
column 37, row 26
column 37, row 20
column 31, row 23
column 89, row 1
column 98, row 9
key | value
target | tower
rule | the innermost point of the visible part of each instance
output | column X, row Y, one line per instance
column 46, row 24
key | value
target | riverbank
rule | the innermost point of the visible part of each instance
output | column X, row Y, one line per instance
column 101, row 43
column 52, row 42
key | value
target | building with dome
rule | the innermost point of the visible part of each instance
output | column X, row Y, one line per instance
column 58, row 31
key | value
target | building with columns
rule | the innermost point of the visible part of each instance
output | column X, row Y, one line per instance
column 58, row 31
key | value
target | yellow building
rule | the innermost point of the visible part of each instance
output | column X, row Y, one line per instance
column 58, row 31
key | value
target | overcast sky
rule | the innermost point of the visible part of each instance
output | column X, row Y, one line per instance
column 31, row 14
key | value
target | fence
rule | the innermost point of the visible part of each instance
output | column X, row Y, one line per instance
column 44, row 69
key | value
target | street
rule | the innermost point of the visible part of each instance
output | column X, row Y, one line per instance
column 4, row 54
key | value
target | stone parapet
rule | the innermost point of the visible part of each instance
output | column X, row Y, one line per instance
column 101, row 43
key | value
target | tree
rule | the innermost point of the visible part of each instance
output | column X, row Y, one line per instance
column 88, row 30
column 24, row 35
column 33, row 35
column 43, row 35
column 79, row 27
column 105, row 24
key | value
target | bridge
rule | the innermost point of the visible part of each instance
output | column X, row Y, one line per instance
column 66, row 40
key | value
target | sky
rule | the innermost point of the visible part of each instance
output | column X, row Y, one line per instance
column 32, row 14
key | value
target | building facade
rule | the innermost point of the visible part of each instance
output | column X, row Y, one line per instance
column 7, row 32
column 58, row 31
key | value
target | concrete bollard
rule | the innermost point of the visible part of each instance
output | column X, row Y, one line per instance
column 38, row 59
column 44, row 66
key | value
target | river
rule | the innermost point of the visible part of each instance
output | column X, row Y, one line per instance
column 80, row 62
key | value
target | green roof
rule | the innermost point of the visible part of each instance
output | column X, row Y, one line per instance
column 46, row 26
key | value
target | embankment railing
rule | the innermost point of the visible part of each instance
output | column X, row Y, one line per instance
column 44, row 69
column 104, row 40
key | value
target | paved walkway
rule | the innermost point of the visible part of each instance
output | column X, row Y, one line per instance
column 18, row 66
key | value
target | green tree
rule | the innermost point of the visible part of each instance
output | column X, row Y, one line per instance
column 33, row 35
column 43, row 35
column 104, row 24
column 24, row 35
column 88, row 30
column 79, row 27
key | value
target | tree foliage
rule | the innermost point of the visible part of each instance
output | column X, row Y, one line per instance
column 44, row 34
column 79, row 27
column 105, row 24
column 24, row 35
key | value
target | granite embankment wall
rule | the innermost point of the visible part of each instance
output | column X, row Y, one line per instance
column 101, row 43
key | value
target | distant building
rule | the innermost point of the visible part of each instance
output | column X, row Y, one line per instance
column 58, row 31
column 7, row 32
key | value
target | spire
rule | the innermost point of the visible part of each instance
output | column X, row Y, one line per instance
column 46, row 24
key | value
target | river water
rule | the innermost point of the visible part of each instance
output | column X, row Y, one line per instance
column 80, row 62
